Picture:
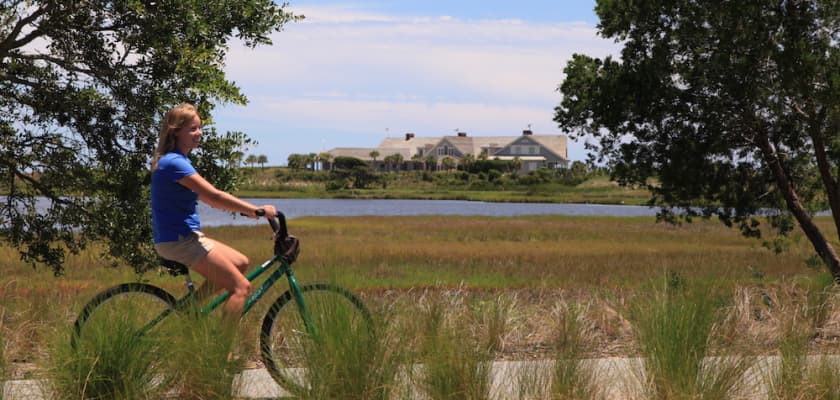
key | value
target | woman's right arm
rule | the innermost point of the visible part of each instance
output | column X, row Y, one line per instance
column 220, row 199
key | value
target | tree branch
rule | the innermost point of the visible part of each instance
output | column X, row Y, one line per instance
column 10, row 42
column 68, row 66
column 47, row 192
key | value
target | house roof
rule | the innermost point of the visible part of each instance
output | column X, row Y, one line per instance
column 362, row 153
column 407, row 147
column 556, row 143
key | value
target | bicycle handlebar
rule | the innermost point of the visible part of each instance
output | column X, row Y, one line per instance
column 278, row 223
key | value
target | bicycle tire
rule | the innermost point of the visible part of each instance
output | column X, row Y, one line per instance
column 147, row 300
column 286, row 344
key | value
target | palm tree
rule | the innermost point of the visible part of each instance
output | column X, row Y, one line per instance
column 398, row 160
column 325, row 158
column 515, row 164
column 448, row 163
column 261, row 160
column 373, row 154
column 417, row 158
column 431, row 162
column 394, row 161
column 311, row 159
column 467, row 161
column 250, row 160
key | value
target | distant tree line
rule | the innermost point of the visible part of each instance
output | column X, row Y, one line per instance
column 354, row 173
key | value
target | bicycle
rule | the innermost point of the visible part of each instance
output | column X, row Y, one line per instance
column 284, row 336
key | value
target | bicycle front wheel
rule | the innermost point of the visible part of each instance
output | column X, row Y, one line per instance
column 300, row 344
column 132, row 308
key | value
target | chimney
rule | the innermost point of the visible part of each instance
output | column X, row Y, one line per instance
column 409, row 136
column 527, row 132
column 462, row 134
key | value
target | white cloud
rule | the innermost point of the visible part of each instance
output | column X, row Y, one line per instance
column 347, row 69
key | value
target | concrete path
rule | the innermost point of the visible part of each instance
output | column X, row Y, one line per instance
column 618, row 379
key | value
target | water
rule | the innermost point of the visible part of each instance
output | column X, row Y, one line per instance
column 294, row 208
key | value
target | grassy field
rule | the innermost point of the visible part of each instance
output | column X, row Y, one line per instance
column 531, row 268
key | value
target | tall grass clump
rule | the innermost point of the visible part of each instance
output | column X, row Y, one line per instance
column 2, row 348
column 456, row 362
column 566, row 375
column 200, row 358
column 572, row 378
column 798, row 375
column 674, row 326
column 350, row 356
column 110, row 361
column 786, row 379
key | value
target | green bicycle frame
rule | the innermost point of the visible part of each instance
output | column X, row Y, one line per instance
column 283, row 269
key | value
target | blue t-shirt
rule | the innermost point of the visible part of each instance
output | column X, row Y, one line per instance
column 173, row 205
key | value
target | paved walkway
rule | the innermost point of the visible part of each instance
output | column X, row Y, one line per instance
column 617, row 377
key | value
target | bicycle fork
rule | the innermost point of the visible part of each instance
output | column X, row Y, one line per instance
column 304, row 313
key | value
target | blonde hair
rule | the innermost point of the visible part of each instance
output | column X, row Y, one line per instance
column 174, row 120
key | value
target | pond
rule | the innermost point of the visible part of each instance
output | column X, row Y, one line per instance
column 294, row 208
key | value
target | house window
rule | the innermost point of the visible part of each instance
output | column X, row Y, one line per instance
column 535, row 150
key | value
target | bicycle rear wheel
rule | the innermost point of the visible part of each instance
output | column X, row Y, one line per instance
column 299, row 355
column 117, row 350
column 130, row 306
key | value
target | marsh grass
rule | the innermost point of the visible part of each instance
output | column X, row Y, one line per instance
column 455, row 363
column 566, row 375
column 823, row 379
column 674, row 327
column 347, row 356
column 3, row 334
column 572, row 378
column 201, row 359
column 111, row 362
column 798, row 374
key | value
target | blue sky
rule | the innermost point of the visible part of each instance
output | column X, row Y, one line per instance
column 355, row 72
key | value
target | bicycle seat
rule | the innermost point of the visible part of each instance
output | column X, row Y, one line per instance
column 173, row 267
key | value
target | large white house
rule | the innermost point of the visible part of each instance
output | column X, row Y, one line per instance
column 533, row 151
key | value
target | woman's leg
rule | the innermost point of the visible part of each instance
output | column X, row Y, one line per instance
column 224, row 267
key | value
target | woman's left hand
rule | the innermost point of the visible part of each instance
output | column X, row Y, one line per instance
column 270, row 211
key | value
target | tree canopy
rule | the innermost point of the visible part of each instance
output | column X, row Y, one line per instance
column 83, row 85
column 720, row 108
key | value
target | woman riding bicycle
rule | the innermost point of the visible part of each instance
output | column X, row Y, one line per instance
column 176, row 187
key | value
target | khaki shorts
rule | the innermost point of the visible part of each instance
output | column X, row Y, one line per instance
column 187, row 250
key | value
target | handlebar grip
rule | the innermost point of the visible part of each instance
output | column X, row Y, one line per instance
column 278, row 223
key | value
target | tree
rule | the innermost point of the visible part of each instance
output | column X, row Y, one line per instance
column 261, row 160
column 394, row 161
column 83, row 85
column 431, row 162
column 251, row 160
column 311, row 161
column 515, row 164
column 351, row 172
column 467, row 161
column 418, row 159
column 448, row 163
column 296, row 161
column 373, row 154
column 325, row 158
column 719, row 108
